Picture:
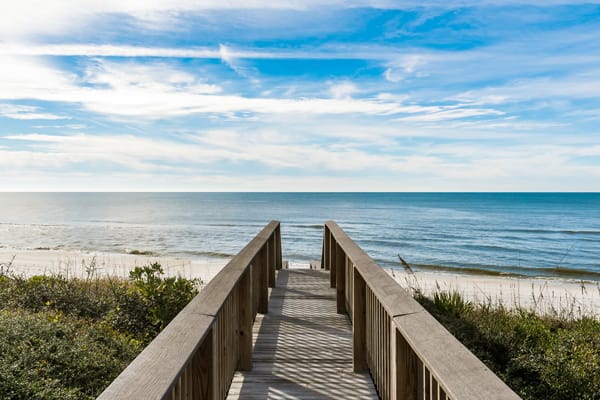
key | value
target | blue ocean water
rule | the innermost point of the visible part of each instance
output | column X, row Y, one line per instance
column 534, row 234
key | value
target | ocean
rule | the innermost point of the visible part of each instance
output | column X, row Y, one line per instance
column 529, row 234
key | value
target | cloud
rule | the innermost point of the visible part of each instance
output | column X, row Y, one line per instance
column 229, row 58
column 343, row 90
column 22, row 112
column 404, row 66
column 159, row 90
column 200, row 158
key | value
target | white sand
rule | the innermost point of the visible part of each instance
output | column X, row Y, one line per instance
column 75, row 263
column 544, row 296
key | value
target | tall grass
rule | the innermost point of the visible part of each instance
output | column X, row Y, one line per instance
column 539, row 356
column 68, row 338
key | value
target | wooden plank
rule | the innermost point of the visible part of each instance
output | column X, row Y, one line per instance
column 302, row 348
column 456, row 369
column 246, row 320
column 169, row 355
column 340, row 280
column 162, row 370
column 260, row 265
column 439, row 352
column 358, row 327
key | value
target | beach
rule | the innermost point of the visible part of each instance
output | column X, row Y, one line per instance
column 545, row 296
column 98, row 264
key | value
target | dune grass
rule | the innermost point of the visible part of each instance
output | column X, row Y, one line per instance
column 69, row 338
column 553, row 357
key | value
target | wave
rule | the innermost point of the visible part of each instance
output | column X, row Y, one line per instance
column 545, row 272
column 214, row 254
column 143, row 253
column 314, row 226
column 551, row 231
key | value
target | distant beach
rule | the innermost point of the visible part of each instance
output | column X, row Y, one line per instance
column 545, row 296
column 83, row 264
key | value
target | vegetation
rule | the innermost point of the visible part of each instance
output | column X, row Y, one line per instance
column 552, row 358
column 69, row 338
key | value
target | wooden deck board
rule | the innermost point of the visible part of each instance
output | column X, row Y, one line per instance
column 302, row 347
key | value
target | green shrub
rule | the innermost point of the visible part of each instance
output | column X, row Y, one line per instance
column 48, row 356
column 538, row 357
column 69, row 338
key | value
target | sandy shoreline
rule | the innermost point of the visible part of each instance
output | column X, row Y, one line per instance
column 77, row 264
column 543, row 295
column 546, row 296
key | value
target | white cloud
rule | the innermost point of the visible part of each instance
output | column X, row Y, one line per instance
column 163, row 164
column 343, row 90
column 404, row 66
column 454, row 113
column 159, row 90
column 15, row 111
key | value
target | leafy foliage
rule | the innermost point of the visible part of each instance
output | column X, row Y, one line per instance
column 46, row 355
column 69, row 338
column 538, row 357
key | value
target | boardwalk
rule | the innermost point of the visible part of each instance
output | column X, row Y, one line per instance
column 302, row 347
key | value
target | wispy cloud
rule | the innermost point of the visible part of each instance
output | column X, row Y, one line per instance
column 22, row 112
column 311, row 95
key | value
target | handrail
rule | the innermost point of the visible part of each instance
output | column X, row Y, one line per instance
column 196, row 355
column 408, row 353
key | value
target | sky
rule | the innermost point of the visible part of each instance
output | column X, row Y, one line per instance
column 328, row 95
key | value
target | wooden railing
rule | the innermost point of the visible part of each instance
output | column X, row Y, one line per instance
column 408, row 353
column 196, row 355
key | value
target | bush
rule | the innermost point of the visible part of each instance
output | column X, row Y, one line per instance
column 538, row 357
column 46, row 355
column 69, row 338
column 149, row 301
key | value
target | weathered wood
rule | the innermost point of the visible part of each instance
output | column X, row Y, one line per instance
column 278, row 247
column 271, row 263
column 332, row 265
column 340, row 279
column 261, row 268
column 246, row 319
column 196, row 355
column 456, row 369
column 170, row 354
column 402, row 341
column 406, row 368
column 358, row 324
column 303, row 348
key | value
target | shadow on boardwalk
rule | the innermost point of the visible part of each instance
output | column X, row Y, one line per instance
column 302, row 347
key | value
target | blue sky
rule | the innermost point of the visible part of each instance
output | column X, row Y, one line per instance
column 180, row 95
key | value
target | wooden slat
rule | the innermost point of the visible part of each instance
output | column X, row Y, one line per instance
column 396, row 323
column 302, row 348
column 459, row 373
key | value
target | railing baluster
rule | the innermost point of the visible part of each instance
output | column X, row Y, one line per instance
column 395, row 338
column 196, row 355
column 359, row 359
column 340, row 283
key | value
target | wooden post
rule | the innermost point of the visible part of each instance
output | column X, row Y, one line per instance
column 245, row 320
column 278, row 247
column 332, row 254
column 359, row 357
column 271, row 263
column 340, row 278
column 263, row 279
column 407, row 367
column 207, row 361
column 326, row 249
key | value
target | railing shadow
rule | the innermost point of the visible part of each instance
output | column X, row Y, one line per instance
column 303, row 347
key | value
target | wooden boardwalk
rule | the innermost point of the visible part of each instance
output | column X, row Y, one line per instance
column 302, row 347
